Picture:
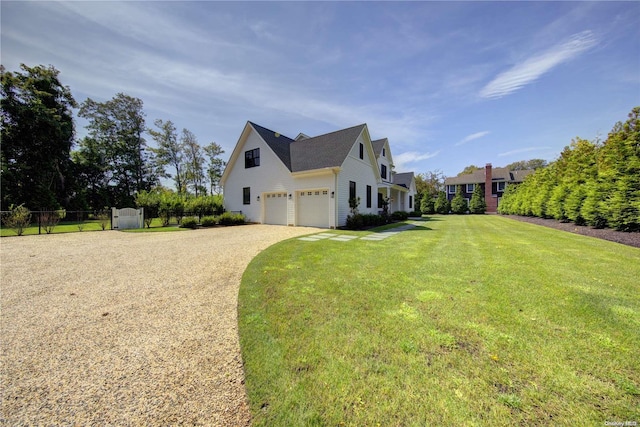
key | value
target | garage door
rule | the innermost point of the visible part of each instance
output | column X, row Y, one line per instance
column 313, row 208
column 275, row 208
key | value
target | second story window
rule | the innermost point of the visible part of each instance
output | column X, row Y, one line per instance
column 252, row 158
column 383, row 171
column 361, row 151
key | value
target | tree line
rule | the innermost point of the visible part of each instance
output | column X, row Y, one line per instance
column 43, row 166
column 591, row 183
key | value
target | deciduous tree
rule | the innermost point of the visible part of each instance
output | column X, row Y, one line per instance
column 117, row 127
column 194, row 162
column 215, row 166
column 37, row 133
column 169, row 152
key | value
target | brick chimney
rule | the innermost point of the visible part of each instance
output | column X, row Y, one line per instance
column 492, row 202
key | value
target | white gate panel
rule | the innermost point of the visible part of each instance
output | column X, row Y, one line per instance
column 122, row 219
column 275, row 208
column 313, row 208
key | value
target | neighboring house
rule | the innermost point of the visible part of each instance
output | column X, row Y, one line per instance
column 308, row 181
column 492, row 181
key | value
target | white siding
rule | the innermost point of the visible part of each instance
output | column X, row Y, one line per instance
column 362, row 173
column 271, row 176
column 385, row 160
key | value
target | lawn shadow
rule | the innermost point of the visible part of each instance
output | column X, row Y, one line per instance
column 419, row 228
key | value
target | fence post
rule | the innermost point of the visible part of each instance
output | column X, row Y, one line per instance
column 40, row 222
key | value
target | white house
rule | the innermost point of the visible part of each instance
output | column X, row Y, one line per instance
column 308, row 181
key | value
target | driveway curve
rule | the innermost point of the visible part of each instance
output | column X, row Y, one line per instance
column 113, row 328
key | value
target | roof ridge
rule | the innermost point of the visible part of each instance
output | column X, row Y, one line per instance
column 333, row 132
column 276, row 133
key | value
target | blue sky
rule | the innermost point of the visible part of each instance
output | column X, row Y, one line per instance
column 449, row 83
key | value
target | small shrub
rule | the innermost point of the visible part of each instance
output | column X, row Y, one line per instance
column 165, row 216
column 426, row 204
column 415, row 214
column 477, row 204
column 229, row 218
column 399, row 216
column 103, row 219
column 49, row 219
column 372, row 220
column 442, row 204
column 459, row 204
column 80, row 220
column 18, row 218
column 355, row 221
column 189, row 222
column 208, row 221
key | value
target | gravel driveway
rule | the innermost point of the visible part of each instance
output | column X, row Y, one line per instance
column 112, row 328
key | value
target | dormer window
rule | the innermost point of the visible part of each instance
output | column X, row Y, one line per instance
column 252, row 158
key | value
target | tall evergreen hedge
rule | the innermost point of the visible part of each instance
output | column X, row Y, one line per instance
column 591, row 183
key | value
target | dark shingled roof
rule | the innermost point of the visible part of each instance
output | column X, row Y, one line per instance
column 497, row 174
column 378, row 144
column 278, row 143
column 403, row 179
column 324, row 151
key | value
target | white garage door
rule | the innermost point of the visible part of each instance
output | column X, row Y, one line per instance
column 313, row 208
column 275, row 208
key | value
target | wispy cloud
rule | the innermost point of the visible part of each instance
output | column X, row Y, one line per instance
column 532, row 68
column 522, row 150
column 473, row 136
column 402, row 160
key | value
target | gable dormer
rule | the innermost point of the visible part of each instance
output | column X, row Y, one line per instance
column 385, row 161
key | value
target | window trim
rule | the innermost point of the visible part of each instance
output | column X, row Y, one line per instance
column 368, row 196
column 246, row 195
column 361, row 151
column 504, row 186
column 383, row 171
column 252, row 158
column 352, row 190
column 473, row 187
column 451, row 187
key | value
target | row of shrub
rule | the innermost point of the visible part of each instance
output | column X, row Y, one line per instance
column 165, row 204
column 591, row 183
column 357, row 221
column 18, row 218
column 227, row 218
column 458, row 205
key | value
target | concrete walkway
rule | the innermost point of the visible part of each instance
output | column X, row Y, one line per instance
column 348, row 237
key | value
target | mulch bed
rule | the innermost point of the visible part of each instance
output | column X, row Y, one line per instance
column 630, row 239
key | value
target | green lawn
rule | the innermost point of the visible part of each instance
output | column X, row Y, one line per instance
column 62, row 227
column 471, row 320
column 88, row 225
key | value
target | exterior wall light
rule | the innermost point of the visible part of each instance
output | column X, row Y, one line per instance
column 258, row 198
column 333, row 194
